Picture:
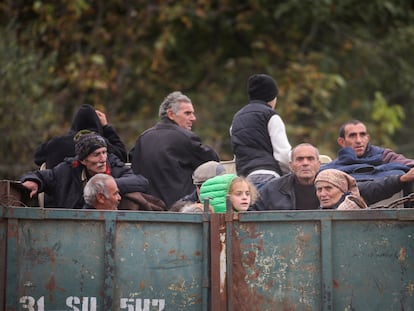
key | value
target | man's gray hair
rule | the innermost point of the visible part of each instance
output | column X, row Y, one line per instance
column 292, row 151
column 95, row 185
column 172, row 101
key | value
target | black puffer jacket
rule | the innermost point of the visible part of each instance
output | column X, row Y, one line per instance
column 63, row 183
column 58, row 148
column 251, row 141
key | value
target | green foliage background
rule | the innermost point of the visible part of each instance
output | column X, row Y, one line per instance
column 333, row 60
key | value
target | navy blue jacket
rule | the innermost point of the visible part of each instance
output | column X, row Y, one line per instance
column 368, row 167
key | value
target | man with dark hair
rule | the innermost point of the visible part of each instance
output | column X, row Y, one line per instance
column 65, row 182
column 362, row 160
column 169, row 152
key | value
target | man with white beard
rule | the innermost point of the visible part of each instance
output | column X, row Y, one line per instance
column 65, row 182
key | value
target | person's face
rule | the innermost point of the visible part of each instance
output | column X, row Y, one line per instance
column 96, row 161
column 305, row 164
column 112, row 202
column 185, row 115
column 356, row 137
column 328, row 195
column 240, row 196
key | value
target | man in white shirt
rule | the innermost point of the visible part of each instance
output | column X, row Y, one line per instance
column 258, row 134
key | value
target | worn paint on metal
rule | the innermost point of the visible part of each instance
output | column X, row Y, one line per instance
column 76, row 260
column 223, row 262
column 272, row 269
column 310, row 260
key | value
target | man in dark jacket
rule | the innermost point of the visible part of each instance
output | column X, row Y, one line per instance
column 168, row 153
column 65, row 182
column 296, row 191
column 58, row 148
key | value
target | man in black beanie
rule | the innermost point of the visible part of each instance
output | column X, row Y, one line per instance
column 258, row 134
column 55, row 150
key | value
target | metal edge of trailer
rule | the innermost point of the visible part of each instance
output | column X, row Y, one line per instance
column 3, row 241
column 302, row 215
column 73, row 214
column 229, row 253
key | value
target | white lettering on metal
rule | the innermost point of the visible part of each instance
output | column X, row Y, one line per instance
column 31, row 304
column 90, row 304
column 131, row 304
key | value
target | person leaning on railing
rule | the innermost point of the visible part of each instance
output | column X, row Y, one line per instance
column 65, row 182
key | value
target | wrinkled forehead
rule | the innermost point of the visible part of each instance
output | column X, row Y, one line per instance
column 324, row 184
column 352, row 129
column 304, row 152
column 185, row 107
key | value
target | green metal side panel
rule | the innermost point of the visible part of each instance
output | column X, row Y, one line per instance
column 373, row 265
column 135, row 261
column 158, row 264
column 53, row 267
column 324, row 260
column 89, row 260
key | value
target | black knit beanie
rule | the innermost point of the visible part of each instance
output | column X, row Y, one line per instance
column 262, row 87
column 87, row 142
column 86, row 119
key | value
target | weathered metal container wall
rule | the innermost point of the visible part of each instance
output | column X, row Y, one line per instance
column 297, row 260
column 323, row 260
column 89, row 260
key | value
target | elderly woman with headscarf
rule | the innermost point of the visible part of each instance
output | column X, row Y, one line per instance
column 338, row 190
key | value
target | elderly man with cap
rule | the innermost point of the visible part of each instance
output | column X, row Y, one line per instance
column 65, row 182
column 258, row 134
column 202, row 173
